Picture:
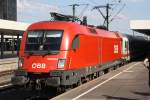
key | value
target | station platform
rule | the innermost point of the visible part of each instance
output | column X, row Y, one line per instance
column 129, row 82
column 8, row 64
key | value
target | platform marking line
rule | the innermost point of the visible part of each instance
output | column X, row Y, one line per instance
column 128, row 71
column 105, row 81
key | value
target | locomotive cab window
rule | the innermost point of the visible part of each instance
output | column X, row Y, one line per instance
column 75, row 43
column 43, row 41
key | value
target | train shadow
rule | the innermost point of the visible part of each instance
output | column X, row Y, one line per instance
column 118, row 98
column 25, row 94
column 142, row 93
column 145, row 94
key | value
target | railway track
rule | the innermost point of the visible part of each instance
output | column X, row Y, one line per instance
column 8, row 72
column 24, row 94
column 4, row 84
column 8, row 91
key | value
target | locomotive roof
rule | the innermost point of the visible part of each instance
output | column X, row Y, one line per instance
column 73, row 28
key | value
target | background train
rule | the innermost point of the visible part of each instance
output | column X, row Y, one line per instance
column 63, row 54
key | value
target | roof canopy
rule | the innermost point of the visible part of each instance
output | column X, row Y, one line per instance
column 12, row 27
column 142, row 26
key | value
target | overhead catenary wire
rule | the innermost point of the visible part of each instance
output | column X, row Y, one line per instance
column 107, row 10
column 82, row 12
column 106, row 18
column 74, row 9
column 98, row 8
column 109, row 6
column 117, row 13
column 92, row 1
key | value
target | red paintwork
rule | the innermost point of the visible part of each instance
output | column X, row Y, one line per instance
column 94, row 48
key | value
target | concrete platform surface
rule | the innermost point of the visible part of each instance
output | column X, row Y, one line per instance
column 129, row 82
column 8, row 64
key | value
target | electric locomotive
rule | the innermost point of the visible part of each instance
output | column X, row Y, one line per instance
column 63, row 54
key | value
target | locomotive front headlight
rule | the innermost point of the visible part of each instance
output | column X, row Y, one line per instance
column 61, row 63
column 20, row 62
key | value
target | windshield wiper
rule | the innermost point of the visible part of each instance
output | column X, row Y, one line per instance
column 28, row 52
column 50, row 53
column 47, row 53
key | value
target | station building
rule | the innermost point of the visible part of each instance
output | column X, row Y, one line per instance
column 10, row 30
column 8, row 9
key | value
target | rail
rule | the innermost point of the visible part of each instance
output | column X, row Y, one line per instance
column 5, row 78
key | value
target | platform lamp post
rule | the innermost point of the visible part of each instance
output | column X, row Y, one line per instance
column 133, row 33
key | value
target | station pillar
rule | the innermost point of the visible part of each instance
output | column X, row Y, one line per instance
column 2, row 45
column 18, row 44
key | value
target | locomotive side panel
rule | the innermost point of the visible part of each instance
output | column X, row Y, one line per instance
column 111, row 50
column 87, row 54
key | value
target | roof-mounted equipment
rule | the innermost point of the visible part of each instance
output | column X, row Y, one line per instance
column 61, row 17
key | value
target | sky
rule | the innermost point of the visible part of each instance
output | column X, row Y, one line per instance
column 31, row 11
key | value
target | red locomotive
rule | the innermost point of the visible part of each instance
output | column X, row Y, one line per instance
column 61, row 54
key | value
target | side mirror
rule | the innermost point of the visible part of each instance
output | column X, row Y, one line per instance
column 74, row 49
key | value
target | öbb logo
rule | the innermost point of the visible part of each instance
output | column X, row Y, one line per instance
column 39, row 65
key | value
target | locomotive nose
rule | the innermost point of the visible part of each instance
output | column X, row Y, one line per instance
column 40, row 64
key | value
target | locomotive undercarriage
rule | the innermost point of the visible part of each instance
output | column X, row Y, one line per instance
column 62, row 79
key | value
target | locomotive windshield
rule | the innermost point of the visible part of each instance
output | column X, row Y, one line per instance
column 47, row 41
